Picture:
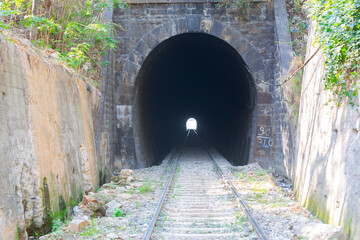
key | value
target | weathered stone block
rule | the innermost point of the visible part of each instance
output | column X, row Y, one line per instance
column 217, row 28
column 150, row 41
column 77, row 225
column 206, row 25
column 170, row 28
column 181, row 26
column 193, row 23
column 264, row 98
column 264, row 120
column 140, row 48
column 136, row 58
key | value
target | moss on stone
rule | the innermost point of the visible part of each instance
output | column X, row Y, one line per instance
column 20, row 233
column 347, row 228
column 314, row 205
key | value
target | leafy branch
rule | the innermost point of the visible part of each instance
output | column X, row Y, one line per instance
column 71, row 27
column 337, row 25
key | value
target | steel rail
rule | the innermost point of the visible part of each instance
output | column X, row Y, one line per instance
column 161, row 203
column 248, row 214
column 163, row 196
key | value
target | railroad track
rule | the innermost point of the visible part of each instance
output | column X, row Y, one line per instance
column 199, row 202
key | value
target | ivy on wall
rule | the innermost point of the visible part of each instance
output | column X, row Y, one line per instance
column 337, row 29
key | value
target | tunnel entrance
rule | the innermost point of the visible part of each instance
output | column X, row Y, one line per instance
column 194, row 75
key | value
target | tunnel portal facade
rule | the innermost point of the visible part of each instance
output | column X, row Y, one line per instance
column 199, row 42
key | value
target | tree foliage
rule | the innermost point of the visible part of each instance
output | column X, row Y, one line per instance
column 337, row 25
column 71, row 27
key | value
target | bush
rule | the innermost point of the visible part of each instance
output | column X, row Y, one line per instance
column 71, row 27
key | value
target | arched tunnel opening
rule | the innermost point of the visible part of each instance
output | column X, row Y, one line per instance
column 194, row 75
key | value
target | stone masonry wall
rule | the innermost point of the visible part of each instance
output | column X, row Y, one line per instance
column 148, row 24
column 284, row 133
column 106, row 124
column 327, row 170
column 47, row 150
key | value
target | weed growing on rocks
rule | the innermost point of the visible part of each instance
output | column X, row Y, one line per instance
column 146, row 187
column 118, row 212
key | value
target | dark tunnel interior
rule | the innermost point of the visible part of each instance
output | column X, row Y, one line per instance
column 194, row 75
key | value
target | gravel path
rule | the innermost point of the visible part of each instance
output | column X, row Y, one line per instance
column 198, row 205
column 270, row 199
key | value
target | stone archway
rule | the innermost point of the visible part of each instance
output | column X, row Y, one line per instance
column 131, row 69
column 187, row 25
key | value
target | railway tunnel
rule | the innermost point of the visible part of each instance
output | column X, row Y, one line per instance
column 194, row 75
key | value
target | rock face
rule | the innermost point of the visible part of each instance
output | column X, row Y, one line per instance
column 47, row 151
column 327, row 172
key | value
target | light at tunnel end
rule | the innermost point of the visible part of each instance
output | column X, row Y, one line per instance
column 191, row 124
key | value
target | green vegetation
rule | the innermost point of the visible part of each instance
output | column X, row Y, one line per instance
column 178, row 186
column 112, row 185
column 240, row 220
column 118, row 212
column 347, row 227
column 298, row 29
column 240, row 175
column 237, row 225
column 260, row 172
column 71, row 27
column 337, row 25
column 103, row 197
column 92, row 230
column 293, row 96
column 56, row 219
column 242, row 5
column 258, row 196
column 19, row 233
column 168, row 220
column 146, row 187
column 279, row 204
column 315, row 207
column 254, row 176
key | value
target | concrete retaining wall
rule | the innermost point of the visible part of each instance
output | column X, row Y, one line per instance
column 47, row 151
column 327, row 170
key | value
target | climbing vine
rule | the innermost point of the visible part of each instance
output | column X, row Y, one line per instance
column 337, row 26
column 71, row 27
